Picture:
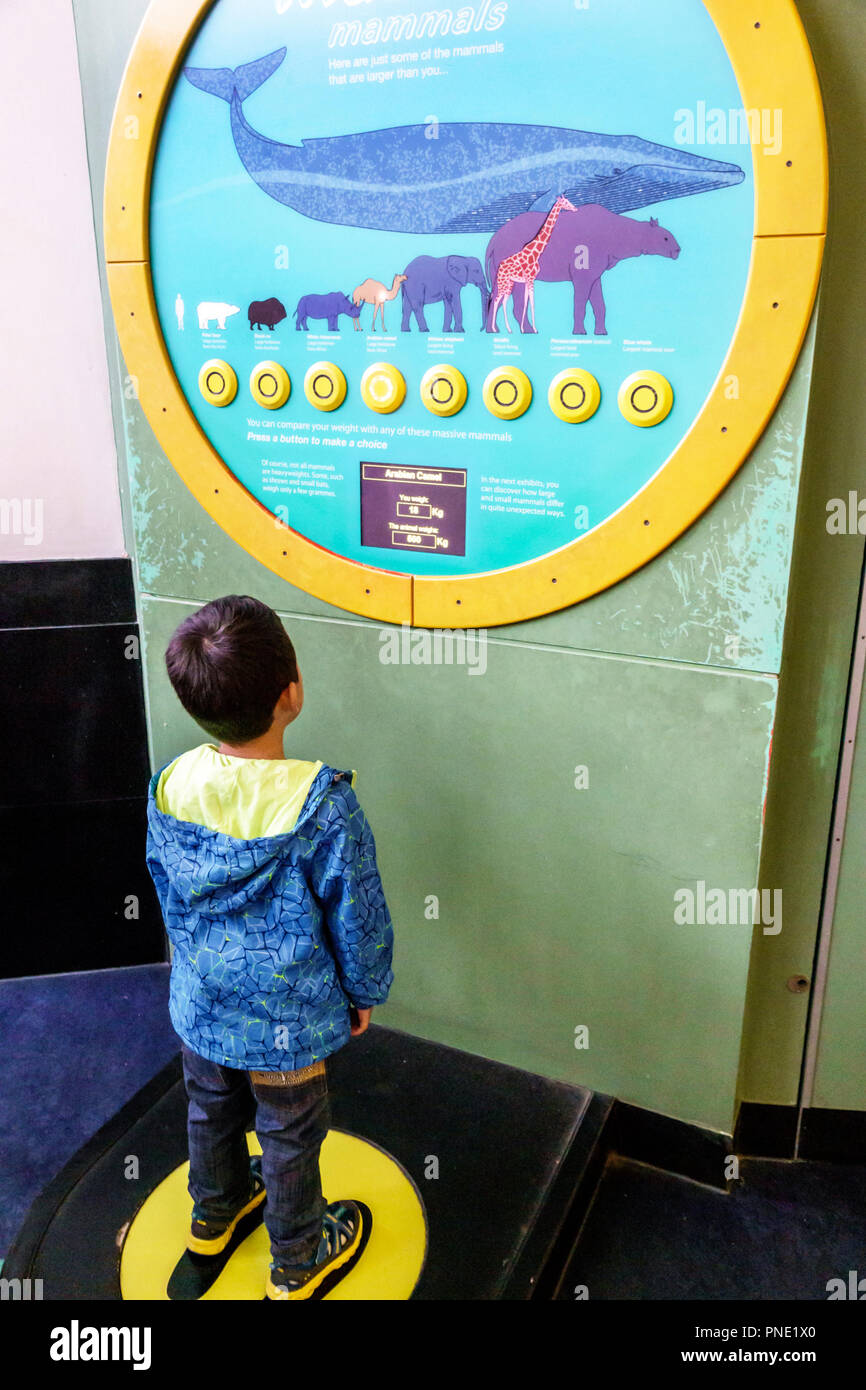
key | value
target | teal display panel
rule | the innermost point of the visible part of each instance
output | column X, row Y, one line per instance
column 354, row 186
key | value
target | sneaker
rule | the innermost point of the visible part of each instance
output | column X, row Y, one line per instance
column 209, row 1236
column 345, row 1231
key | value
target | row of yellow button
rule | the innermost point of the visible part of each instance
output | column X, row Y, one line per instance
column 271, row 385
column 645, row 398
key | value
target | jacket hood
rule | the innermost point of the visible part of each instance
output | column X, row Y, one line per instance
column 218, row 873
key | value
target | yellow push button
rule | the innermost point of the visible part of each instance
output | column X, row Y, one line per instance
column 444, row 390
column 270, row 385
column 574, row 395
column 646, row 398
column 325, row 386
column 383, row 388
column 507, row 392
column 217, row 382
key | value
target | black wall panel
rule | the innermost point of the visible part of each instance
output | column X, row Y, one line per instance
column 74, row 890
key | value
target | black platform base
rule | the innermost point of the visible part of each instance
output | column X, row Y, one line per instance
column 495, row 1156
column 493, row 1183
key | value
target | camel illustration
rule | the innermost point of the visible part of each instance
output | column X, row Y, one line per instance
column 374, row 292
column 522, row 268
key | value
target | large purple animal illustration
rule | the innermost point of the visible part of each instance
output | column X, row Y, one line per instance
column 583, row 246
column 325, row 306
column 439, row 280
column 269, row 312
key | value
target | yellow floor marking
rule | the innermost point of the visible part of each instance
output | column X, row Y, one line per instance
column 351, row 1167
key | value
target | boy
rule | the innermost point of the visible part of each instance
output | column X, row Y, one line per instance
column 265, row 869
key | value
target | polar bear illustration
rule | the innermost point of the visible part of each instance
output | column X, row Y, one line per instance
column 220, row 312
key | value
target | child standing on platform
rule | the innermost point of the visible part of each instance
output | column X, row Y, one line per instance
column 265, row 869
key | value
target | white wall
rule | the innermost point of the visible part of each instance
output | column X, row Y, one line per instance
column 59, row 494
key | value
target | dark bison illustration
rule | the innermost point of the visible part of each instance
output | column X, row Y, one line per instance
column 269, row 312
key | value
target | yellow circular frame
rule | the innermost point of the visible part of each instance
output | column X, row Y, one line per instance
column 774, row 69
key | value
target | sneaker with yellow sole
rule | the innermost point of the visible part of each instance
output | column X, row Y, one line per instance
column 346, row 1227
column 208, row 1236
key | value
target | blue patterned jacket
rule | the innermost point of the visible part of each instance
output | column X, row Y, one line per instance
column 273, row 937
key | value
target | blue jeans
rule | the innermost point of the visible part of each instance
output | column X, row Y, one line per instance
column 291, row 1123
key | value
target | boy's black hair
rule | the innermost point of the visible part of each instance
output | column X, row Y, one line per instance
column 229, row 663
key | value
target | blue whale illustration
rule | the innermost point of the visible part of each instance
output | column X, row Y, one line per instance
column 469, row 176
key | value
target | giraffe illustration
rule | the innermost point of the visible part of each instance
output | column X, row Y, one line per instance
column 522, row 268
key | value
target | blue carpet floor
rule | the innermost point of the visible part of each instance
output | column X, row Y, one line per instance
column 783, row 1232
column 75, row 1049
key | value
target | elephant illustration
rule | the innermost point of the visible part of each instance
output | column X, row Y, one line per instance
column 439, row 279
column 585, row 244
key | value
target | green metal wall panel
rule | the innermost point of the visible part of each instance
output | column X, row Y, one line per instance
column 555, row 904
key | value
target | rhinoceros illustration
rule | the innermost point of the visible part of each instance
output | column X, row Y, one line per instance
column 325, row 306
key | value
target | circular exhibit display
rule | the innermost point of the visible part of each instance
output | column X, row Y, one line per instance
column 577, row 219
